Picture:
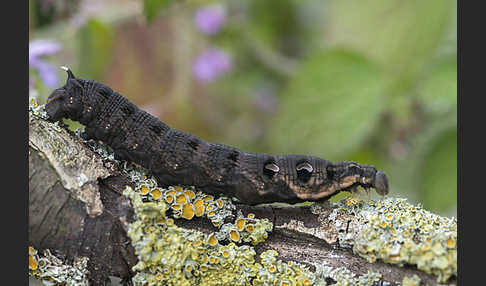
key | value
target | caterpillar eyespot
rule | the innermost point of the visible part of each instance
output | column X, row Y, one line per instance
column 176, row 157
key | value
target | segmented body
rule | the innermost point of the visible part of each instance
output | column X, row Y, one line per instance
column 177, row 157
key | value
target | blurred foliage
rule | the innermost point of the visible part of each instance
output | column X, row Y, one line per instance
column 371, row 81
column 152, row 8
column 94, row 48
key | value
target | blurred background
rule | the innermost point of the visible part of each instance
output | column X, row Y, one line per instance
column 369, row 81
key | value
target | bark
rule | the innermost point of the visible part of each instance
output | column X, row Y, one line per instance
column 76, row 208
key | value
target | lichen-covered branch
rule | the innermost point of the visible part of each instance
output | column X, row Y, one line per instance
column 81, row 208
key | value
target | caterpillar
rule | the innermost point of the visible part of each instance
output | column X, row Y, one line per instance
column 175, row 157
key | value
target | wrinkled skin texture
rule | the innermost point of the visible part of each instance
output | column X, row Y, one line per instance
column 178, row 158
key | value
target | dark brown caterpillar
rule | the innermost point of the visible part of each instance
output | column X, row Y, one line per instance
column 178, row 158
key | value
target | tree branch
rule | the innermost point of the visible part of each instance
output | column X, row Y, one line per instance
column 77, row 209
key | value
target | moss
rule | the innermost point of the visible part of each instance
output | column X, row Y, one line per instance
column 52, row 271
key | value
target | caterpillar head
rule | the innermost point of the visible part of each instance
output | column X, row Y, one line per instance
column 65, row 101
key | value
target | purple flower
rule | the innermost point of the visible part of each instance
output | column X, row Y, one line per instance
column 209, row 19
column 47, row 72
column 211, row 64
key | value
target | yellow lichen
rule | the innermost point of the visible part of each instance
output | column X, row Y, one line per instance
column 188, row 211
column 169, row 198
column 190, row 194
column 234, row 235
column 240, row 224
column 220, row 203
column 144, row 190
column 212, row 240
column 32, row 251
column 178, row 188
column 32, row 262
column 156, row 193
column 199, row 207
column 208, row 198
column 181, row 199
column 451, row 243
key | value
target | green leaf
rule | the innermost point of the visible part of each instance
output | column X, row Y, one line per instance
column 439, row 91
column 94, row 49
column 400, row 35
column 439, row 182
column 331, row 107
column 152, row 8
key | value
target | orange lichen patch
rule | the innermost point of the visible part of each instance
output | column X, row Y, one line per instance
column 234, row 235
column 306, row 282
column 272, row 268
column 156, row 193
column 199, row 206
column 190, row 194
column 197, row 243
column 212, row 240
column 188, row 211
column 211, row 214
column 170, row 193
column 144, row 190
column 150, row 229
column 178, row 188
column 158, row 276
column 251, row 215
column 250, row 228
column 181, row 199
column 225, row 254
column 383, row 224
column 160, row 221
column 285, row 283
column 290, row 263
column 426, row 247
column 220, row 203
column 390, row 216
column 176, row 207
column 170, row 222
column 209, row 208
column 169, row 198
column 203, row 268
column 393, row 231
column 204, row 259
column 212, row 260
column 33, row 102
column 208, row 198
column 32, row 262
column 450, row 242
column 32, row 251
column 188, row 268
column 240, row 224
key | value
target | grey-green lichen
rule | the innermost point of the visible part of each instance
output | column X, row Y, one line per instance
column 344, row 277
column 399, row 233
column 411, row 281
column 52, row 271
column 170, row 255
